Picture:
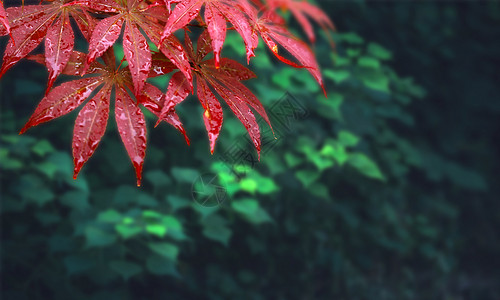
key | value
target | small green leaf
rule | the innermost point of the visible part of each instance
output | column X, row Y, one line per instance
column 151, row 215
column 40, row 196
column 251, row 210
column 125, row 194
column 205, row 211
column 337, row 76
column 128, row 220
column 214, row 228
column 249, row 185
column 283, row 78
column 378, row 51
column 340, row 61
column 263, row 185
column 63, row 161
column 47, row 168
column 320, row 161
column 365, row 165
column 42, row 148
column 377, row 82
column 171, row 222
column 177, row 202
column 109, row 216
column 292, row 160
column 127, row 231
column 160, row 265
column 185, row 175
column 167, row 250
column 242, row 169
column 125, row 268
column 347, row 139
column 77, row 200
column 353, row 52
column 157, row 229
column 245, row 206
column 174, row 227
column 333, row 149
column 368, row 62
column 96, row 237
column 350, row 37
column 11, row 164
column 331, row 108
column 307, row 177
column 146, row 200
column 320, row 190
column 157, row 178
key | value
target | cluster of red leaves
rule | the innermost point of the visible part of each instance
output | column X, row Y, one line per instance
column 141, row 22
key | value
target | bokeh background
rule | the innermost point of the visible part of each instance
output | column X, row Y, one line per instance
column 387, row 189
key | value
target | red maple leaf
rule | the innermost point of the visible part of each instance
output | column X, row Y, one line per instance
column 303, row 11
column 31, row 24
column 217, row 13
column 140, row 22
column 91, row 122
column 4, row 21
column 274, row 33
column 135, row 14
column 223, row 81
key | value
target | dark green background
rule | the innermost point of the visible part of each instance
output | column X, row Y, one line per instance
column 388, row 189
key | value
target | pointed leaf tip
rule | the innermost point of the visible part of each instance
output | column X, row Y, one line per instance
column 131, row 125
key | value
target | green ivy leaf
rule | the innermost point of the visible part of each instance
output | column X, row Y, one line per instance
column 245, row 206
column 157, row 178
column 353, row 52
column 320, row 190
column 167, row 250
column 368, row 62
column 251, row 210
column 376, row 81
column 160, row 265
column 365, row 165
column 307, row 177
column 347, row 139
column 214, row 228
column 109, row 216
column 185, row 175
column 127, row 231
column 349, row 37
column 337, row 76
column 159, row 230
column 249, row 185
column 47, row 168
column 76, row 200
column 292, row 160
column 42, row 148
column 125, row 268
column 96, row 237
column 151, row 216
column 378, row 51
column 177, row 202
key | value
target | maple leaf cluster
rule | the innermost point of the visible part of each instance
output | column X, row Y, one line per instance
column 142, row 23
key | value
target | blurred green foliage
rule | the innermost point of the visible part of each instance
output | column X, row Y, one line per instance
column 349, row 201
